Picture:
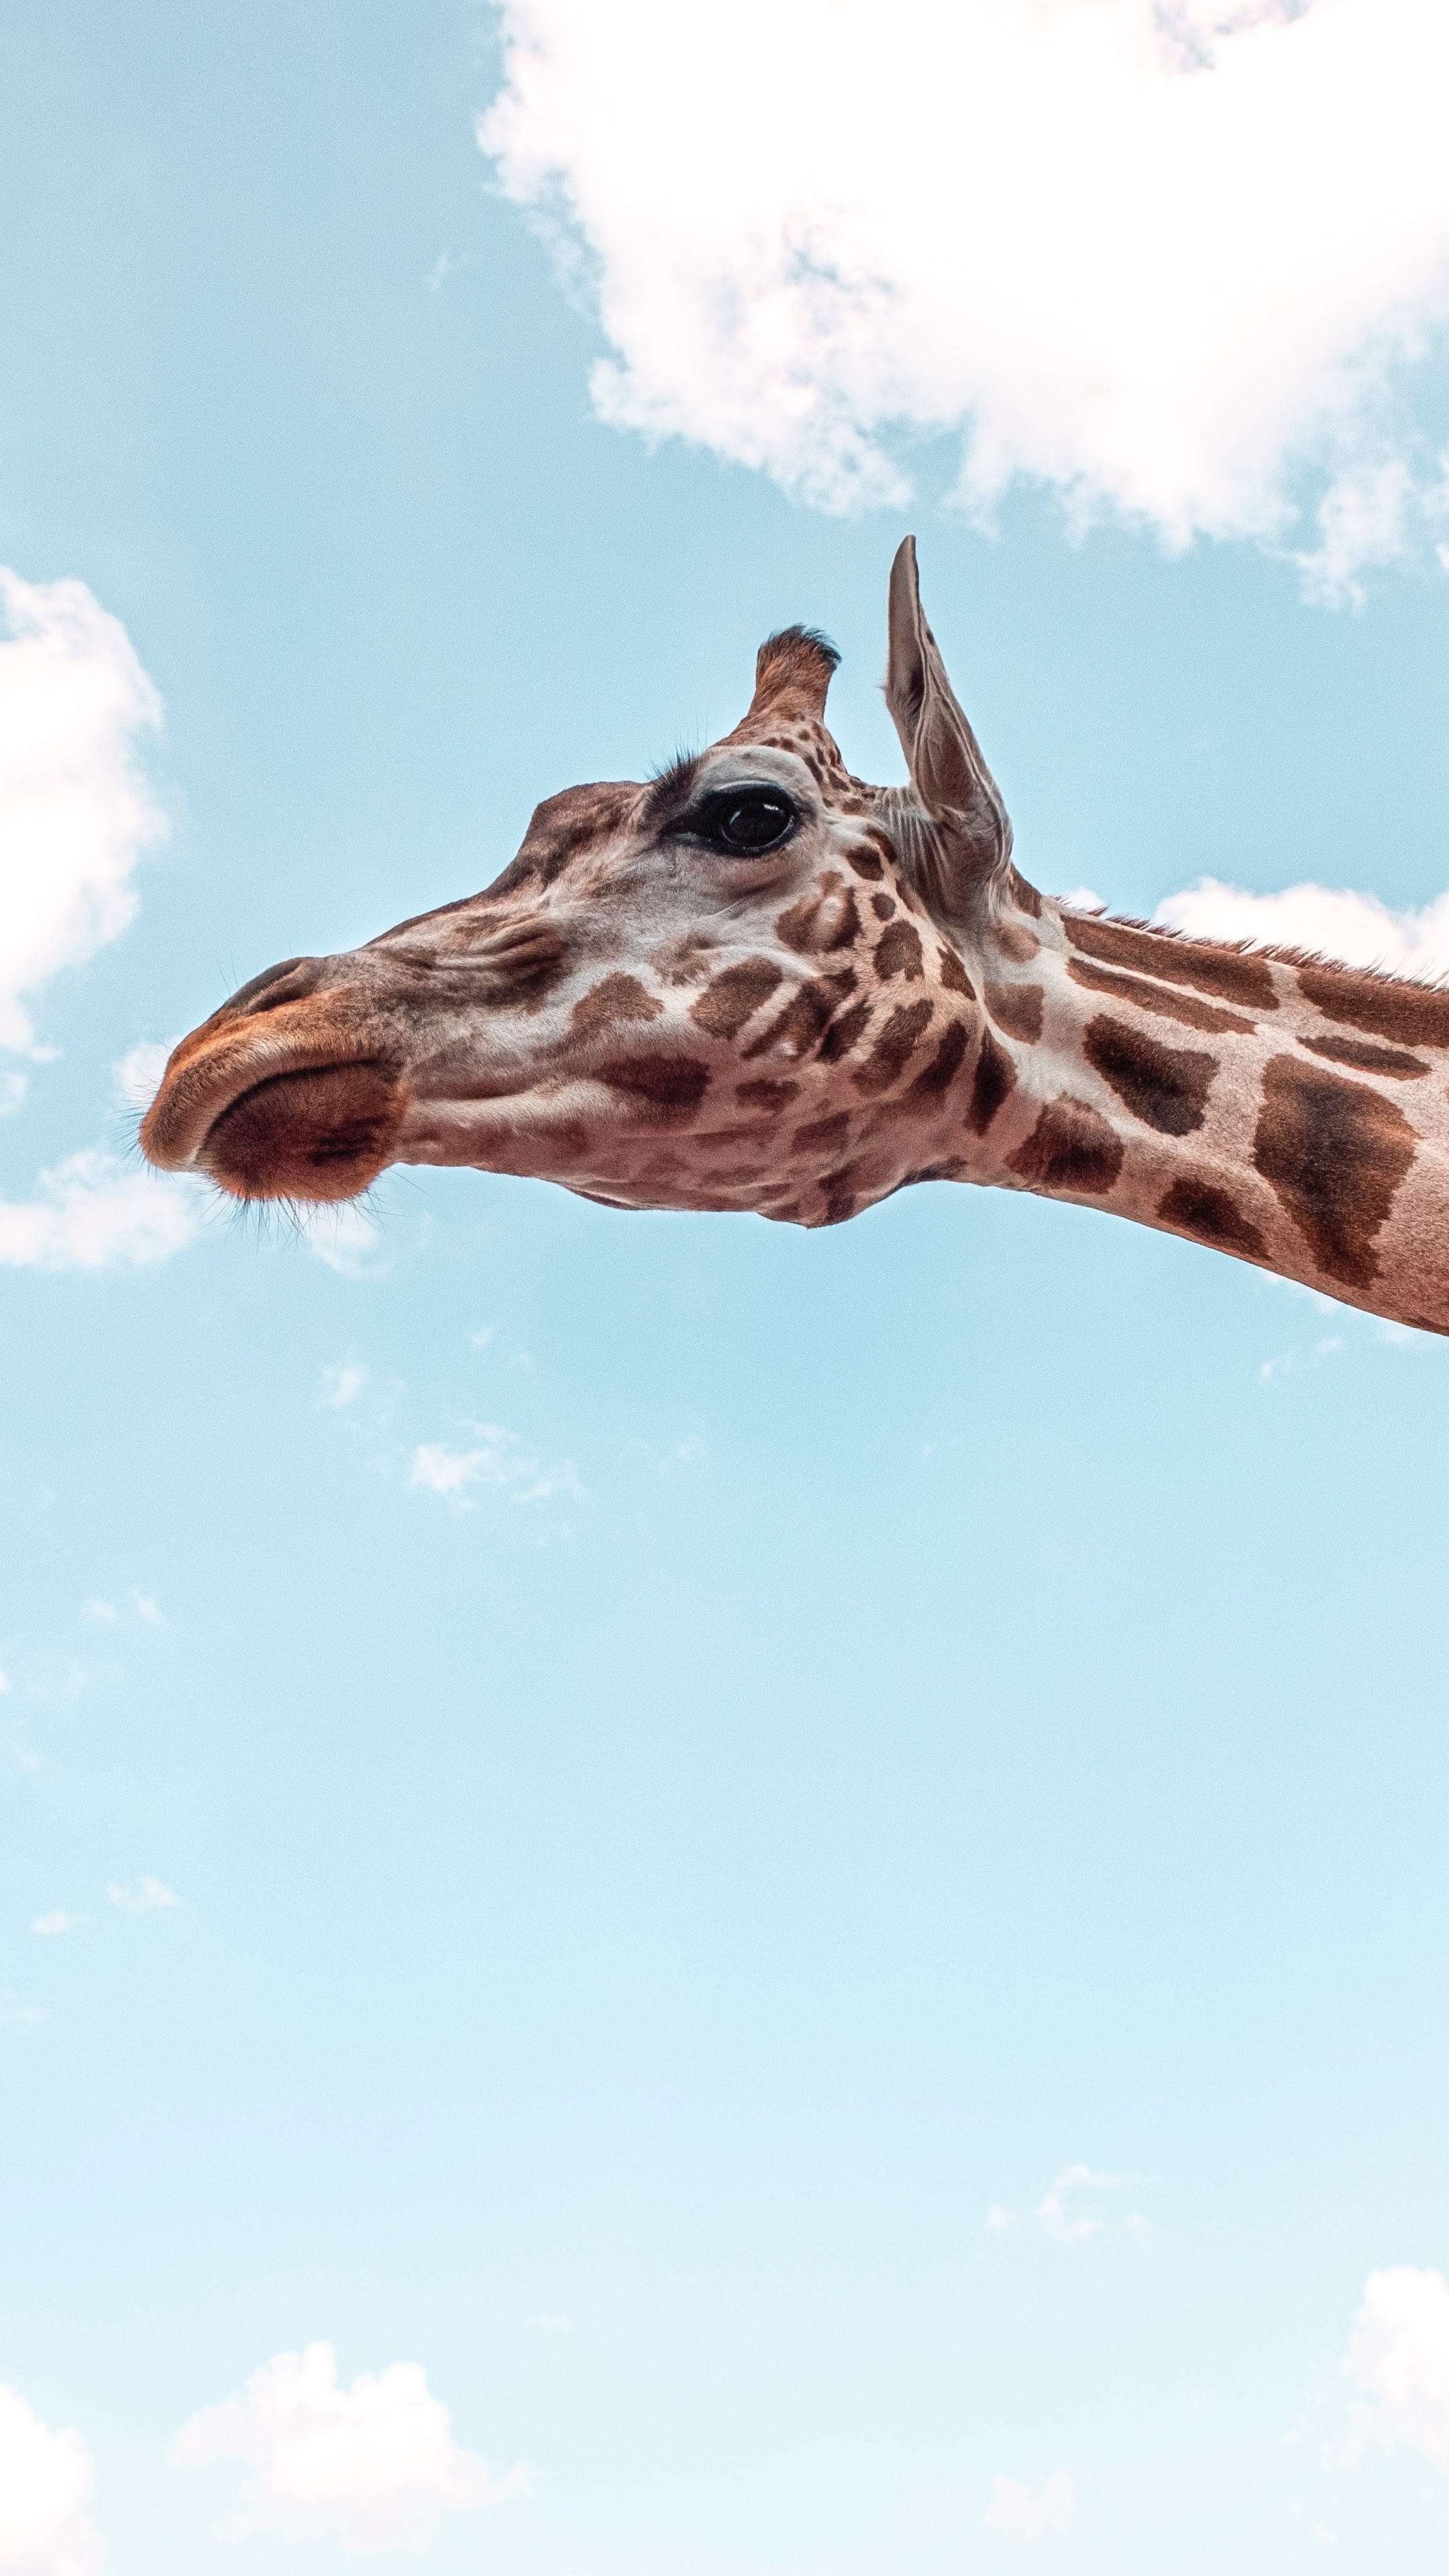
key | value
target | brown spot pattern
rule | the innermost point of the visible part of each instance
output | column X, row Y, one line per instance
column 953, row 974
column 866, row 861
column 882, row 905
column 735, row 996
column 824, row 1135
column 1408, row 1013
column 1166, row 1087
column 898, row 952
column 1167, row 1004
column 820, row 922
column 1335, row 1154
column 841, row 1035
column 659, row 1087
column 1223, row 971
column 944, row 1066
column 898, row 1040
column 993, row 1081
column 1017, row 942
column 1017, row 1008
column 618, row 997
column 560, row 827
column 1211, row 1215
column 1365, row 1057
column 769, row 1096
column 1070, row 1149
column 805, row 1016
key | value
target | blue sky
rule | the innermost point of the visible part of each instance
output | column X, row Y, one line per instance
column 845, row 1945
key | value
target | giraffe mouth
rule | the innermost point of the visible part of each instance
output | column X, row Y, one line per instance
column 320, row 1135
column 315, row 1132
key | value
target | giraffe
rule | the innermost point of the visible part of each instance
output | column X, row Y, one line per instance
column 757, row 983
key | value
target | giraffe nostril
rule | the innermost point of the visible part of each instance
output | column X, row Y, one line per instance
column 292, row 981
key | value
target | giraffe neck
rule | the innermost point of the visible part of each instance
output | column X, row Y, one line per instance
column 1290, row 1112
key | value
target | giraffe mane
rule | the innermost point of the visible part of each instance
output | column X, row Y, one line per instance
column 1277, row 952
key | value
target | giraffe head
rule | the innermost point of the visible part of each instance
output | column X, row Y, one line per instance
column 752, row 983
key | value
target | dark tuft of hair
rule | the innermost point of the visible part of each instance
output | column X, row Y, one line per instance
column 797, row 649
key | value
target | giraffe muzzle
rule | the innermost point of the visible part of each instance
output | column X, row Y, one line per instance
column 321, row 1134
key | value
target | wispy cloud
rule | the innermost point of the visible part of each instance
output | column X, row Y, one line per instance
column 1078, row 2205
column 14, row 2016
column 44, row 2491
column 818, row 273
column 373, row 2466
column 92, row 1212
column 148, row 1896
column 1288, row 1363
column 49, row 1926
column 497, row 1461
column 345, row 1238
column 1397, row 2365
column 1022, row 2515
column 342, row 1385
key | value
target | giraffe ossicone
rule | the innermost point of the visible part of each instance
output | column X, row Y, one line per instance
column 757, row 983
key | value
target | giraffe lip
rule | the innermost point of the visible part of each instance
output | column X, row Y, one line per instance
column 273, row 1113
column 314, row 1132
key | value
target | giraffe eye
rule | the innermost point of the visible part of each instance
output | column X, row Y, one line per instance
column 743, row 821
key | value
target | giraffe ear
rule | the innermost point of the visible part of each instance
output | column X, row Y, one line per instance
column 951, row 780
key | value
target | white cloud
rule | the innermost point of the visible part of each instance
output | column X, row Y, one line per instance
column 14, row 2016
column 342, row 1385
column 50, row 1924
column 1154, row 253
column 685, row 1453
column 75, row 811
column 1363, row 520
column 1072, row 2208
column 1016, row 2511
column 500, row 1462
column 374, row 2465
column 150, row 1896
column 97, row 1609
column 1287, row 1363
column 344, row 1237
column 45, row 2486
column 1398, row 2363
column 92, row 1213
column 13, row 1088
column 1355, row 928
